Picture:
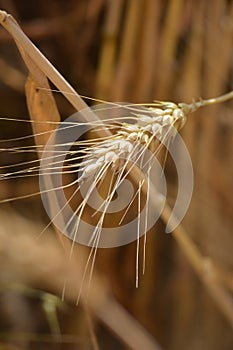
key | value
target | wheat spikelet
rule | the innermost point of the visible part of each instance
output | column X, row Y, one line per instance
column 139, row 130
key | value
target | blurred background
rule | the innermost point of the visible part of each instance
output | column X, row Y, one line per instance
column 134, row 51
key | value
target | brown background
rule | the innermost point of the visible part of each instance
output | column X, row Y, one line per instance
column 136, row 51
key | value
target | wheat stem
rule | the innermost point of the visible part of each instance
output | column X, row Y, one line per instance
column 219, row 99
column 202, row 102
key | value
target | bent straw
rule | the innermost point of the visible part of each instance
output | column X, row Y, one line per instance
column 197, row 261
column 43, row 63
